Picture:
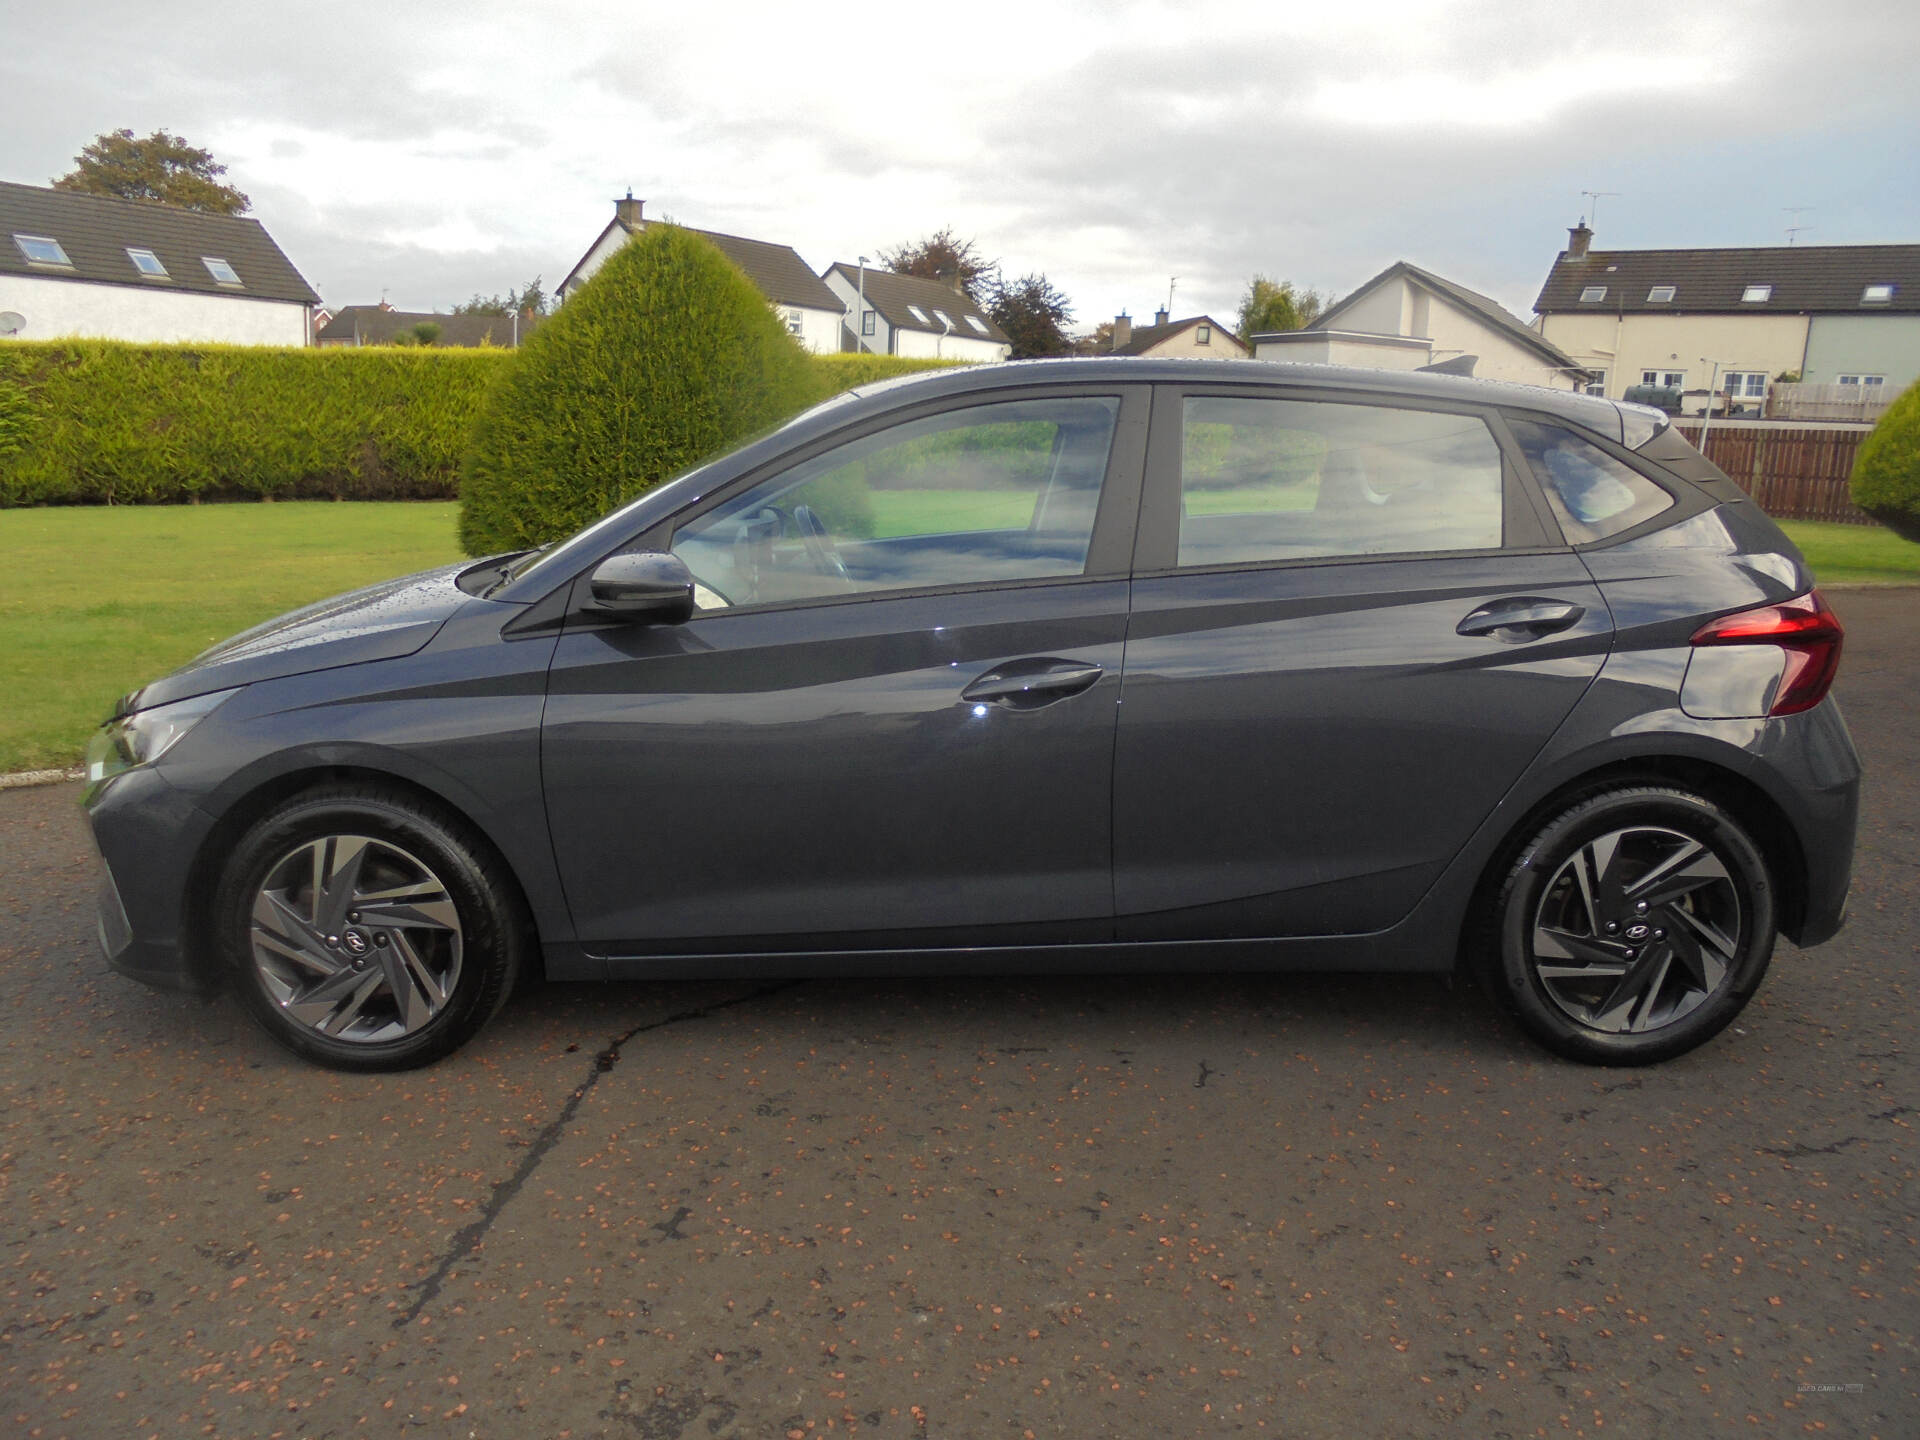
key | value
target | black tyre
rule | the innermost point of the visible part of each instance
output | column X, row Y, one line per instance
column 365, row 931
column 1633, row 926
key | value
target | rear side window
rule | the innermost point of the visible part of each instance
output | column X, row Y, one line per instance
column 1593, row 494
column 1277, row 480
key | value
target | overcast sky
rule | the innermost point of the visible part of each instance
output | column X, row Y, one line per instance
column 429, row 151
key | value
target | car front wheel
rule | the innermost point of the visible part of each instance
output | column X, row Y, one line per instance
column 365, row 932
column 1634, row 926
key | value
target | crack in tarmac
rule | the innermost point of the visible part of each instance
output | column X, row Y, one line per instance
column 467, row 1239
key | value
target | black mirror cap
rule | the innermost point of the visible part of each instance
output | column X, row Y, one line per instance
column 643, row 585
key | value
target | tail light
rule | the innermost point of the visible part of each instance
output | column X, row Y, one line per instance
column 1806, row 629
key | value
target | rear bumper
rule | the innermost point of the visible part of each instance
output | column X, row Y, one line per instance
column 1825, row 814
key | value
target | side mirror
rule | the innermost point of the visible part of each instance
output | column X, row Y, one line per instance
column 643, row 585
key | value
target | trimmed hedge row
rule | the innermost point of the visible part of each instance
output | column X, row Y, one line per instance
column 92, row 422
column 88, row 422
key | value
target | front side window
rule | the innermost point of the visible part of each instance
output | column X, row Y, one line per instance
column 1863, row 380
column 1203, row 335
column 147, row 263
column 1660, row 295
column 1593, row 494
column 1747, row 384
column 866, row 322
column 1666, row 379
column 1592, row 294
column 220, row 270
column 988, row 494
column 1270, row 480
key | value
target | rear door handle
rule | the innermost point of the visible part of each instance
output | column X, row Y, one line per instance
column 1029, row 684
column 1521, row 617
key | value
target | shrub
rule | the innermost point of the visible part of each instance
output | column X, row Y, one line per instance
column 666, row 357
column 93, row 421
column 1886, row 472
column 847, row 371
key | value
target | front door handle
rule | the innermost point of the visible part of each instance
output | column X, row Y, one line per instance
column 1521, row 617
column 1029, row 684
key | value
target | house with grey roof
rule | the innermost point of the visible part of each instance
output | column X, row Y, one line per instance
column 1732, row 320
column 95, row 266
column 1407, row 317
column 889, row 314
column 813, row 315
column 1198, row 336
column 355, row 325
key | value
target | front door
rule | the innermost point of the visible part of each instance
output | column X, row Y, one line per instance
column 1349, row 638
column 891, row 720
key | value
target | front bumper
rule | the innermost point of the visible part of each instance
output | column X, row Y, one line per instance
column 147, row 834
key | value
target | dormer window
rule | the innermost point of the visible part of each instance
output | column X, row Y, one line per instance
column 1593, row 294
column 1756, row 294
column 42, row 250
column 1660, row 295
column 1872, row 295
column 220, row 270
column 147, row 263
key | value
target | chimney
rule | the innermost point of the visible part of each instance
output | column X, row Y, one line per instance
column 959, row 285
column 1122, row 331
column 627, row 211
column 1578, row 239
column 1160, row 317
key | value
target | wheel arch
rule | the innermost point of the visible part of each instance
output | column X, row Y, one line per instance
column 272, row 792
column 1740, row 796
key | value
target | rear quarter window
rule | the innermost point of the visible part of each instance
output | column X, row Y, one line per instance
column 1593, row 495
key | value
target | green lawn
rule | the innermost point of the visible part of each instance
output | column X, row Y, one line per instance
column 1855, row 554
column 95, row 601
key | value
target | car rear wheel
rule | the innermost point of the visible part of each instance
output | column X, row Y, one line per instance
column 1634, row 926
column 365, row 932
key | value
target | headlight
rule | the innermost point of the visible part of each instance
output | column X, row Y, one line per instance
column 145, row 735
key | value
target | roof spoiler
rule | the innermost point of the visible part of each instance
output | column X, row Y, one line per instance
column 1458, row 365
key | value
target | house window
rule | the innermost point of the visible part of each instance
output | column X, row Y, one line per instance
column 796, row 323
column 1863, row 380
column 1872, row 295
column 1203, row 335
column 1592, row 294
column 1665, row 379
column 147, row 263
column 977, row 323
column 944, row 318
column 222, row 272
column 1596, row 386
column 1756, row 294
column 866, row 322
column 1746, row 384
column 42, row 250
column 918, row 314
column 1660, row 295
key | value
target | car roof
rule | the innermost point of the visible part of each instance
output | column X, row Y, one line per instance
column 1615, row 421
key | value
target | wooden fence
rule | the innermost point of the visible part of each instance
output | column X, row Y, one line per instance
column 1829, row 402
column 1794, row 472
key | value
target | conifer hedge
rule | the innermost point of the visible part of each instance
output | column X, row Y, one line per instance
column 666, row 357
column 1886, row 472
column 95, row 421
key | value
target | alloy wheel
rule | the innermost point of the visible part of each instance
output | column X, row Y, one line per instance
column 356, row 939
column 1636, row 929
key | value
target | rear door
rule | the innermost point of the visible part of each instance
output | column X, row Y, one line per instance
column 1353, row 627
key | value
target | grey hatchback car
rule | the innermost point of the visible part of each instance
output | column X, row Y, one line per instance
column 1090, row 666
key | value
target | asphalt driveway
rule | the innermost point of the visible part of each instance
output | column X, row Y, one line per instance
column 1253, row 1205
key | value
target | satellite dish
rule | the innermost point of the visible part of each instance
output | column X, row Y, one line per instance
column 12, row 322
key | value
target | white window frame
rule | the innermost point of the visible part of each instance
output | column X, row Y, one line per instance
column 23, row 241
column 1596, row 387
column 1661, row 294
column 1665, row 379
column 1739, row 384
column 1593, row 294
column 159, row 270
column 1861, row 380
column 977, row 323
column 919, row 314
column 1756, row 294
column 796, row 324
column 215, row 264
column 1878, row 293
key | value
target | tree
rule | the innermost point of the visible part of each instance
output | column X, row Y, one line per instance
column 163, row 169
column 1033, row 314
column 943, row 256
column 666, row 357
column 1272, row 305
column 531, row 299
column 1886, row 471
